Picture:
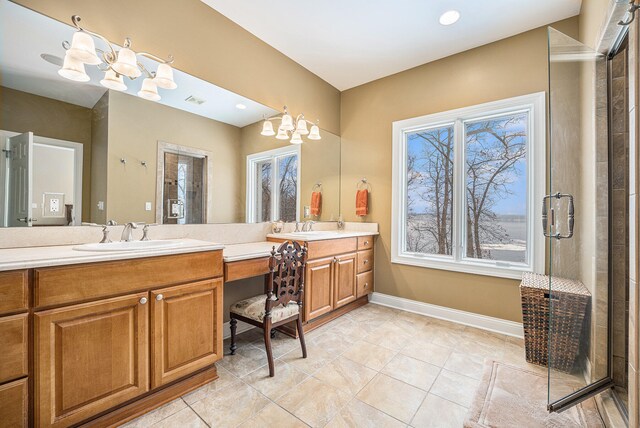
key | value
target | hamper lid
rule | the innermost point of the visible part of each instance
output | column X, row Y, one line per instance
column 561, row 285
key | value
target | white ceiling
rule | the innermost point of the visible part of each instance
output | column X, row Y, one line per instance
column 25, row 34
column 351, row 42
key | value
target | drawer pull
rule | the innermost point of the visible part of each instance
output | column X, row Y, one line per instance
column 366, row 285
column 365, row 261
column 143, row 300
column 159, row 297
column 366, row 242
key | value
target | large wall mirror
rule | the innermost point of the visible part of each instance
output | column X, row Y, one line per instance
column 77, row 152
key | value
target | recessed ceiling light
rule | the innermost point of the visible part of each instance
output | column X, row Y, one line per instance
column 449, row 17
column 241, row 106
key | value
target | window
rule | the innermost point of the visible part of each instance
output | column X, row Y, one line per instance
column 465, row 185
column 272, row 185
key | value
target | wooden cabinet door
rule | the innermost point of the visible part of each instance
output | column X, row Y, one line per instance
column 89, row 358
column 186, row 329
column 318, row 288
column 344, row 280
column 14, row 404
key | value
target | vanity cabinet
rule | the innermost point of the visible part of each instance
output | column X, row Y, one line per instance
column 109, row 340
column 338, row 278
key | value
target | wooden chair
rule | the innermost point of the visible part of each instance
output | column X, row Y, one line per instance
column 283, row 301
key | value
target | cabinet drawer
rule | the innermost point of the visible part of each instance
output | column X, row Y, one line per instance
column 365, row 283
column 69, row 284
column 14, row 291
column 14, row 332
column 13, row 404
column 365, row 243
column 331, row 247
column 365, row 261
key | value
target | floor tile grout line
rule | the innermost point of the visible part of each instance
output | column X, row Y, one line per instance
column 194, row 411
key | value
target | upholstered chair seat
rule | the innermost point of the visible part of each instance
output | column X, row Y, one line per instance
column 254, row 308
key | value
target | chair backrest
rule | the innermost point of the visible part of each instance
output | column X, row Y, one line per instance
column 286, row 274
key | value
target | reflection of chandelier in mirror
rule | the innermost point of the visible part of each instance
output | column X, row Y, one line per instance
column 115, row 65
column 290, row 128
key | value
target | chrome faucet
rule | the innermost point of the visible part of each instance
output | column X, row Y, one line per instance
column 145, row 231
column 307, row 226
column 298, row 227
column 127, row 232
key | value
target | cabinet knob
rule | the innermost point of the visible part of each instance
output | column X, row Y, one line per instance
column 143, row 300
column 366, row 242
column 365, row 261
column 159, row 297
column 366, row 285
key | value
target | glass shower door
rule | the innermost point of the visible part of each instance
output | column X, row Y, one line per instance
column 575, row 219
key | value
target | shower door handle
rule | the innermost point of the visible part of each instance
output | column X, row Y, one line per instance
column 570, row 216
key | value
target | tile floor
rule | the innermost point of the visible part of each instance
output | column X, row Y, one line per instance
column 373, row 367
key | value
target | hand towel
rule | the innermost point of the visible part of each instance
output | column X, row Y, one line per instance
column 362, row 202
column 316, row 203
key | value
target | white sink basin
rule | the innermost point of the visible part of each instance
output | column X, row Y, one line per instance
column 130, row 246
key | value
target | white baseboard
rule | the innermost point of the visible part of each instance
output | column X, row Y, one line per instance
column 241, row 328
column 497, row 325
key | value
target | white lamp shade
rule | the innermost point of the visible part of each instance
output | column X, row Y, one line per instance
column 73, row 69
column 164, row 77
column 127, row 64
column 149, row 90
column 287, row 122
column 295, row 138
column 301, row 128
column 113, row 81
column 315, row 133
column 83, row 49
column 267, row 129
column 282, row 134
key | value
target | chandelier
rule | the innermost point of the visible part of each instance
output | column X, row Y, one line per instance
column 114, row 64
column 290, row 129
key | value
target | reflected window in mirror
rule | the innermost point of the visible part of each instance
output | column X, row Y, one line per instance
column 272, row 185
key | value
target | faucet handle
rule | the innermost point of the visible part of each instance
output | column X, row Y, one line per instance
column 145, row 231
column 105, row 231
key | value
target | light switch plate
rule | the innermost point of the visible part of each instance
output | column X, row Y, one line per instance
column 101, row 205
column 147, row 206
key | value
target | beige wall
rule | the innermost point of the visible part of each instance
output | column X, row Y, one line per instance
column 135, row 127
column 45, row 117
column 592, row 20
column 320, row 162
column 507, row 68
column 209, row 46
column 99, row 144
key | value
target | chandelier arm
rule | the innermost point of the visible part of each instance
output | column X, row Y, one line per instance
column 169, row 59
column 110, row 57
column 144, row 70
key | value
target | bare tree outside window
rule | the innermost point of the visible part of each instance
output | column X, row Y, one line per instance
column 496, row 188
column 288, row 187
column 430, row 191
column 264, row 192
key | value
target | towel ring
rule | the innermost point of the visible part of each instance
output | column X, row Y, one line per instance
column 317, row 186
column 363, row 184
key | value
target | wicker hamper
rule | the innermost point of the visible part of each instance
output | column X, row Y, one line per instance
column 570, row 300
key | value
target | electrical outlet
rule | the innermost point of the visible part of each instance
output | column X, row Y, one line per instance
column 147, row 206
column 307, row 211
column 101, row 205
column 54, row 205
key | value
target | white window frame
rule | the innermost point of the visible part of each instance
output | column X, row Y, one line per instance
column 535, row 104
column 252, row 178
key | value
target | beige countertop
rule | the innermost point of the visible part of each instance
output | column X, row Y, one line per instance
column 59, row 255
column 320, row 235
column 251, row 250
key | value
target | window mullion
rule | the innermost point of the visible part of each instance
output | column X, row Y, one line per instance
column 458, row 191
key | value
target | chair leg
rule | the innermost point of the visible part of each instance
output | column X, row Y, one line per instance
column 267, row 345
column 301, row 334
column 233, row 323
